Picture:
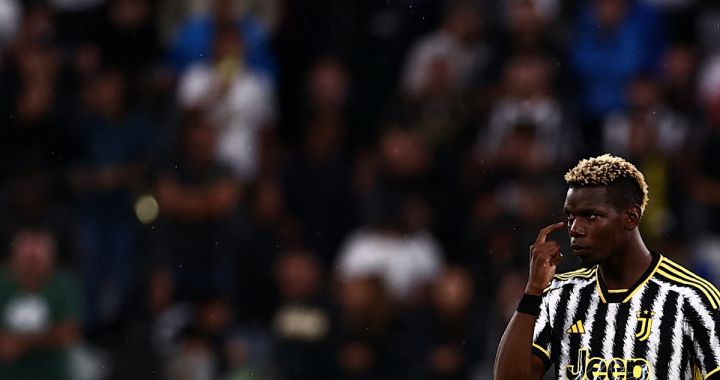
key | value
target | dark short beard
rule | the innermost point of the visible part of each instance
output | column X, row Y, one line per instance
column 585, row 263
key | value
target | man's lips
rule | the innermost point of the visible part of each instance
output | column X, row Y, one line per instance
column 578, row 247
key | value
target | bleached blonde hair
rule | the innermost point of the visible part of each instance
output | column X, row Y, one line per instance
column 605, row 170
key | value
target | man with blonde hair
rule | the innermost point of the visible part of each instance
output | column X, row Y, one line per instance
column 629, row 313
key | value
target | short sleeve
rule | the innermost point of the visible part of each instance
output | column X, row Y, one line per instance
column 542, row 335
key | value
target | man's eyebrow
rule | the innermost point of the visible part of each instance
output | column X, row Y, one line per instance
column 581, row 211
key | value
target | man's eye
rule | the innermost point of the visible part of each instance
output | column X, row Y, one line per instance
column 592, row 217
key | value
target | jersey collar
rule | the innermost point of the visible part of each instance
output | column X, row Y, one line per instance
column 624, row 296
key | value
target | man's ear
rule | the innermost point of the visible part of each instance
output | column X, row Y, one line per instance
column 632, row 217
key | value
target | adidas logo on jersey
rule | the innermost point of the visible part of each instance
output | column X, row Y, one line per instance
column 576, row 328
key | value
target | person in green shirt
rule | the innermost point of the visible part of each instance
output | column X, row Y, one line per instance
column 39, row 310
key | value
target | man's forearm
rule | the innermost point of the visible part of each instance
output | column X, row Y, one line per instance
column 514, row 359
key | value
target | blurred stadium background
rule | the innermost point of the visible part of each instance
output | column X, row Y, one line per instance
column 325, row 189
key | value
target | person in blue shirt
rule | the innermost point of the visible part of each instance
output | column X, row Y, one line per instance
column 193, row 41
column 614, row 41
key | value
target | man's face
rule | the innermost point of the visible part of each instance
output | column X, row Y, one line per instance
column 595, row 226
column 32, row 258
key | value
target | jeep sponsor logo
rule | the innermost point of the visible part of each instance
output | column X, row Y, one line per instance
column 595, row 368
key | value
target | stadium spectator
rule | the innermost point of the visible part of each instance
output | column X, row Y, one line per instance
column 449, row 334
column 613, row 40
column 527, row 99
column 114, row 142
column 40, row 310
column 129, row 37
column 239, row 100
column 198, row 199
column 193, row 41
column 406, row 259
column 302, row 323
column 32, row 199
column 456, row 46
column 369, row 341
column 34, row 95
column 316, row 182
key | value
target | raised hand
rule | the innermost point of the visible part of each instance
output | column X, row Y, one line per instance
column 544, row 257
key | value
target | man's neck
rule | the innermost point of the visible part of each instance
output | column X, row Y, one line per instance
column 625, row 268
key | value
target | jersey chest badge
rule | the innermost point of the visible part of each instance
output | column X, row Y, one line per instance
column 644, row 324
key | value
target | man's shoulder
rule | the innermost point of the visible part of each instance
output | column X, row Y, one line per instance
column 579, row 277
column 688, row 284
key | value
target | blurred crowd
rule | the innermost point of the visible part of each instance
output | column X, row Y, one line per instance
column 324, row 189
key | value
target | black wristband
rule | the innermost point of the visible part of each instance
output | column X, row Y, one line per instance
column 530, row 304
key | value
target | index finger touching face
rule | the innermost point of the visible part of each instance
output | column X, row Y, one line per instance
column 547, row 230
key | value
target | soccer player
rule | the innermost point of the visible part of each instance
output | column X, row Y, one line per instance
column 630, row 313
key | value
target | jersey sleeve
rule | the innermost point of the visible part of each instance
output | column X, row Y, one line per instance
column 542, row 342
column 704, row 325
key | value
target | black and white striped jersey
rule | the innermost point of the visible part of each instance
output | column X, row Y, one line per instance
column 666, row 326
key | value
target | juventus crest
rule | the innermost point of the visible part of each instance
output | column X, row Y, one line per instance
column 644, row 324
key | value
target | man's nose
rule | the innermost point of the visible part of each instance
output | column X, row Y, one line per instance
column 575, row 228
